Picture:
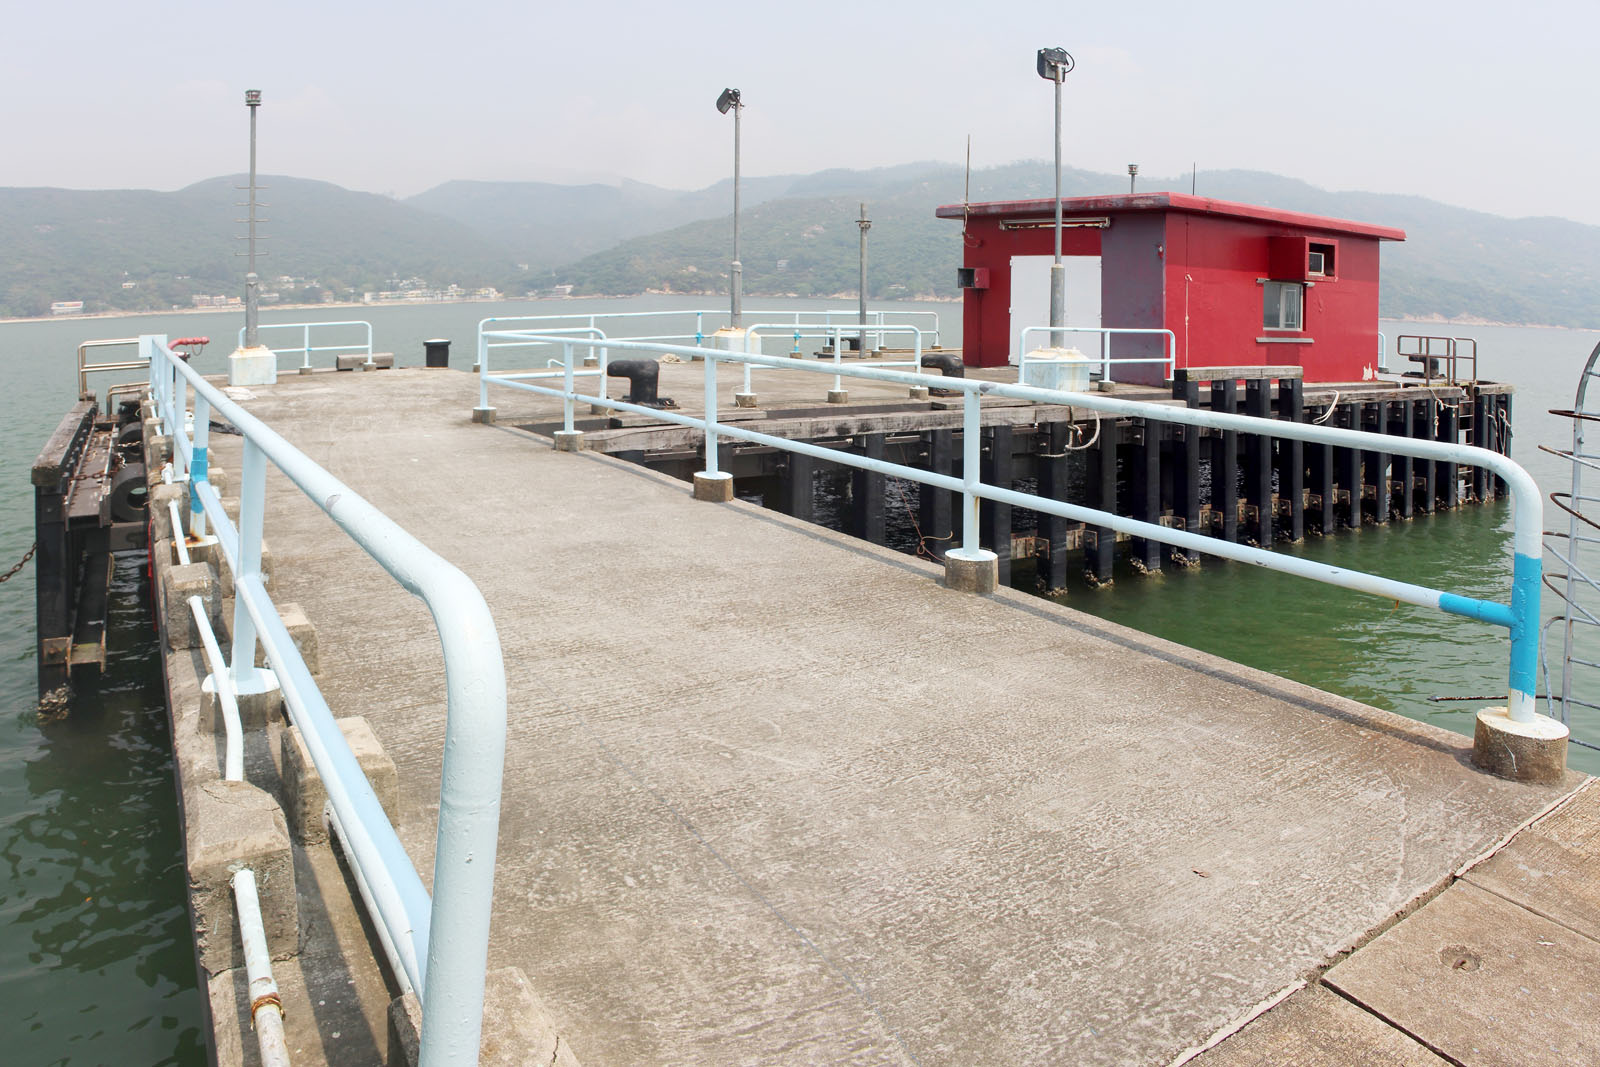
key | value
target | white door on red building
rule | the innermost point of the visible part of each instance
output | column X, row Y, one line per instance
column 1030, row 301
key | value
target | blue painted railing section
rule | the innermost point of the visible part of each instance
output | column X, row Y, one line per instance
column 441, row 943
column 1520, row 615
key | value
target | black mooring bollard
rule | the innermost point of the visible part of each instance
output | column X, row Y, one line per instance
column 948, row 364
column 436, row 352
column 644, row 377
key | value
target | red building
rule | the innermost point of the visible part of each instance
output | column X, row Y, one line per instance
column 1238, row 285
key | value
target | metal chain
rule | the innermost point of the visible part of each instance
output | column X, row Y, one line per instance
column 21, row 563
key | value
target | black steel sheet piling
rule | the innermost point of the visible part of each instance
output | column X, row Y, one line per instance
column 799, row 486
column 1052, row 474
column 934, row 504
column 1225, row 461
column 867, row 490
column 1376, row 463
column 1103, row 497
column 1449, row 474
column 1258, row 461
column 1292, row 457
column 1347, row 462
column 1146, row 477
column 994, row 519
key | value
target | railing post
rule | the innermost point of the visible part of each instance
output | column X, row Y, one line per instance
column 711, row 413
column 712, row 484
column 971, row 446
column 566, row 387
column 305, row 357
column 252, row 504
column 970, row 568
column 198, row 465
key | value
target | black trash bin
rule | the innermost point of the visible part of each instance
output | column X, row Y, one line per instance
column 437, row 351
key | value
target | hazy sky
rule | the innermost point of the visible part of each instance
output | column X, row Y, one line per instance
column 1488, row 106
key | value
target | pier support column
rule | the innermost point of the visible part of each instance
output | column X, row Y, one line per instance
column 1424, row 428
column 1404, row 467
column 1348, row 462
column 1482, row 407
column 994, row 520
column 1377, row 463
column 867, row 490
column 799, row 486
column 1292, row 458
column 1258, row 466
column 1502, row 438
column 1146, row 478
column 1187, row 444
column 1225, row 461
column 1449, row 428
column 1053, row 486
column 1102, row 476
column 934, row 503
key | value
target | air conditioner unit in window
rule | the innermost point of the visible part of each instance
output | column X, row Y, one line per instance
column 1314, row 263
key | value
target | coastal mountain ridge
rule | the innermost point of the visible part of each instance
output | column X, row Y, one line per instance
column 144, row 250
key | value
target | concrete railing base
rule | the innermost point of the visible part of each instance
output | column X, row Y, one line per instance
column 178, row 584
column 303, row 792
column 919, row 392
column 230, row 825
column 1522, row 751
column 972, row 572
column 483, row 415
column 717, row 488
column 516, row 1028
column 257, row 708
column 838, row 396
column 569, row 440
column 744, row 400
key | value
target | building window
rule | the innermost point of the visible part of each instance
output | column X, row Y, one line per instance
column 1283, row 305
column 1319, row 260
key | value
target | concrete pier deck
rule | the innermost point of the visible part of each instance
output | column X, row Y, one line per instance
column 775, row 795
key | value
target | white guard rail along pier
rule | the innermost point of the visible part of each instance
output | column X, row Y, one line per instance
column 442, row 943
column 1520, row 614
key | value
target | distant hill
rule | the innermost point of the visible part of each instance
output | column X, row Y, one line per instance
column 547, row 226
column 798, row 235
column 60, row 244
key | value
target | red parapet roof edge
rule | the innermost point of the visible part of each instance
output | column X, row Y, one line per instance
column 1194, row 205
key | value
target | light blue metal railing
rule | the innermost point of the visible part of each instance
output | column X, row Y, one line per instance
column 1520, row 616
column 837, row 334
column 441, row 944
column 703, row 322
column 1169, row 361
column 306, row 347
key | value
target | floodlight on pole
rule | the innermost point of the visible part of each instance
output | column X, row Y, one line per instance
column 729, row 101
column 1053, row 65
column 1133, row 176
column 252, row 283
column 865, row 224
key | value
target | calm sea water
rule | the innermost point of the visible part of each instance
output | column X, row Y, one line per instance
column 95, row 960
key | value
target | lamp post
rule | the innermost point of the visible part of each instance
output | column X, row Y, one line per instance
column 729, row 101
column 865, row 224
column 1054, row 64
column 252, row 284
column 1133, row 176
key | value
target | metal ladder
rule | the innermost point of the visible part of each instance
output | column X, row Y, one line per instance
column 1578, row 549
